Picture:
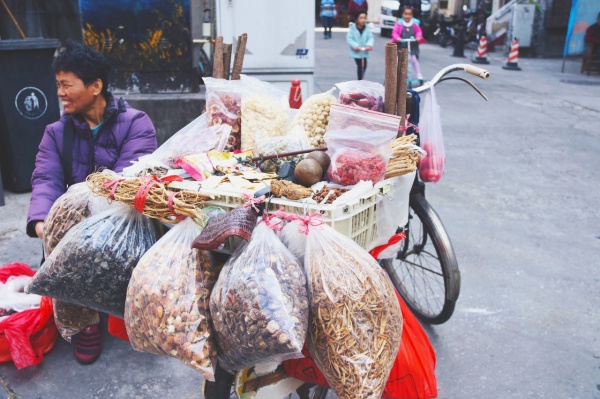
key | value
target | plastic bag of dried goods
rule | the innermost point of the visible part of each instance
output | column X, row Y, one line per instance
column 356, row 322
column 92, row 264
column 166, row 311
column 362, row 94
column 259, row 304
column 224, row 107
column 313, row 116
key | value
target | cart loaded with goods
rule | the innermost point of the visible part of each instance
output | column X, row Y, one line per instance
column 243, row 240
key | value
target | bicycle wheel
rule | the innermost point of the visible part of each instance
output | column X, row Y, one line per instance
column 425, row 271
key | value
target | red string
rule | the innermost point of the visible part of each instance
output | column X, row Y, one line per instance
column 171, row 208
column 142, row 195
column 306, row 221
column 251, row 201
column 113, row 187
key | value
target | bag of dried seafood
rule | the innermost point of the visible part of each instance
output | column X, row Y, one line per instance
column 356, row 324
column 259, row 304
column 92, row 264
column 166, row 311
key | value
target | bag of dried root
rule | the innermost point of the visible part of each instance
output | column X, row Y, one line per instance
column 355, row 326
column 313, row 116
column 166, row 311
column 92, row 264
column 265, row 111
column 224, row 106
column 259, row 304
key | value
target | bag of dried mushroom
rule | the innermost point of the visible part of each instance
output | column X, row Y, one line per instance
column 166, row 311
column 92, row 264
column 69, row 209
column 259, row 304
column 355, row 326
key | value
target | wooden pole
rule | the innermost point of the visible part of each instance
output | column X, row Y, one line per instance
column 218, row 72
column 402, row 78
column 391, row 76
column 238, row 60
column 227, row 60
column 10, row 14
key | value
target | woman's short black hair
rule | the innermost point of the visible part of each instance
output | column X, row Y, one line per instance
column 88, row 64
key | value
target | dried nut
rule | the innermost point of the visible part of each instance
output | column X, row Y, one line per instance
column 314, row 117
column 182, row 329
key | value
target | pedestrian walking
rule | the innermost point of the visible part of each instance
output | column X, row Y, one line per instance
column 406, row 28
column 360, row 40
column 95, row 131
column 328, row 13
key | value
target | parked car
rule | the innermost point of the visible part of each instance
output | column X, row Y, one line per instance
column 390, row 14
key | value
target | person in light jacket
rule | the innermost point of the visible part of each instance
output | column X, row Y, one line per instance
column 106, row 133
column 360, row 40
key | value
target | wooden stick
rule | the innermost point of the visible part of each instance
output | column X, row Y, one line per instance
column 10, row 14
column 402, row 78
column 227, row 60
column 391, row 66
column 238, row 60
column 287, row 154
column 218, row 71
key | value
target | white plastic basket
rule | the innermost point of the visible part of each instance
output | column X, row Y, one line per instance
column 355, row 219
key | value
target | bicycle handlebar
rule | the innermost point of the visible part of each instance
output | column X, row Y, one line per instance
column 473, row 70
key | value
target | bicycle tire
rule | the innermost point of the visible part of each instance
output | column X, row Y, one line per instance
column 412, row 275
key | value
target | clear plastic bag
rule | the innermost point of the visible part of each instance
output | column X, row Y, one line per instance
column 194, row 138
column 313, row 116
column 92, row 264
column 362, row 94
column 358, row 155
column 356, row 322
column 167, row 307
column 224, row 106
column 294, row 140
column 259, row 304
column 345, row 116
column 431, row 168
column 71, row 208
column 68, row 210
column 265, row 112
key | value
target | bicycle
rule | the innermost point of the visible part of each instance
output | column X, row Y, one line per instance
column 424, row 227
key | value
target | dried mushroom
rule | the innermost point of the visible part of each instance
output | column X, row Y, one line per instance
column 92, row 264
column 259, row 304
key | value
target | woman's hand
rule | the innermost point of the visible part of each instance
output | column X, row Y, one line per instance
column 39, row 229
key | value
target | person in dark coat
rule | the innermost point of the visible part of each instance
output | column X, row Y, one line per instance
column 592, row 35
column 357, row 6
column 107, row 133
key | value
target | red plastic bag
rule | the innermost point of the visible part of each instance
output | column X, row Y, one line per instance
column 26, row 336
column 116, row 328
column 413, row 373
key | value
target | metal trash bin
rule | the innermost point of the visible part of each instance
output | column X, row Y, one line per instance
column 28, row 102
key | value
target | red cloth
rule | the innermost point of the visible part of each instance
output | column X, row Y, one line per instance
column 26, row 336
column 116, row 327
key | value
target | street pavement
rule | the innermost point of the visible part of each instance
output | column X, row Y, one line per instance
column 519, row 199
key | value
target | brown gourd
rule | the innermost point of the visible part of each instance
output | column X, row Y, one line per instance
column 308, row 172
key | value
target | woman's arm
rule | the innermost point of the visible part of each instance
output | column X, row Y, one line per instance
column 47, row 181
column 140, row 140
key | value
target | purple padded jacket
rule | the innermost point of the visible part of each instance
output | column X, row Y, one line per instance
column 125, row 135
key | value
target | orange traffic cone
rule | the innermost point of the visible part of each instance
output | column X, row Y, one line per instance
column 481, row 52
column 513, row 57
column 295, row 94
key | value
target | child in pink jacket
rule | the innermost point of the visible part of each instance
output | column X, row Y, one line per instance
column 407, row 28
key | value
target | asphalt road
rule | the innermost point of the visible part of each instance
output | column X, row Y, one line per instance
column 520, row 201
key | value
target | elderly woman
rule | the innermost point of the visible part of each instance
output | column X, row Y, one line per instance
column 96, row 131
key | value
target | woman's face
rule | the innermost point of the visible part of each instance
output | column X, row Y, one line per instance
column 407, row 15
column 76, row 98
